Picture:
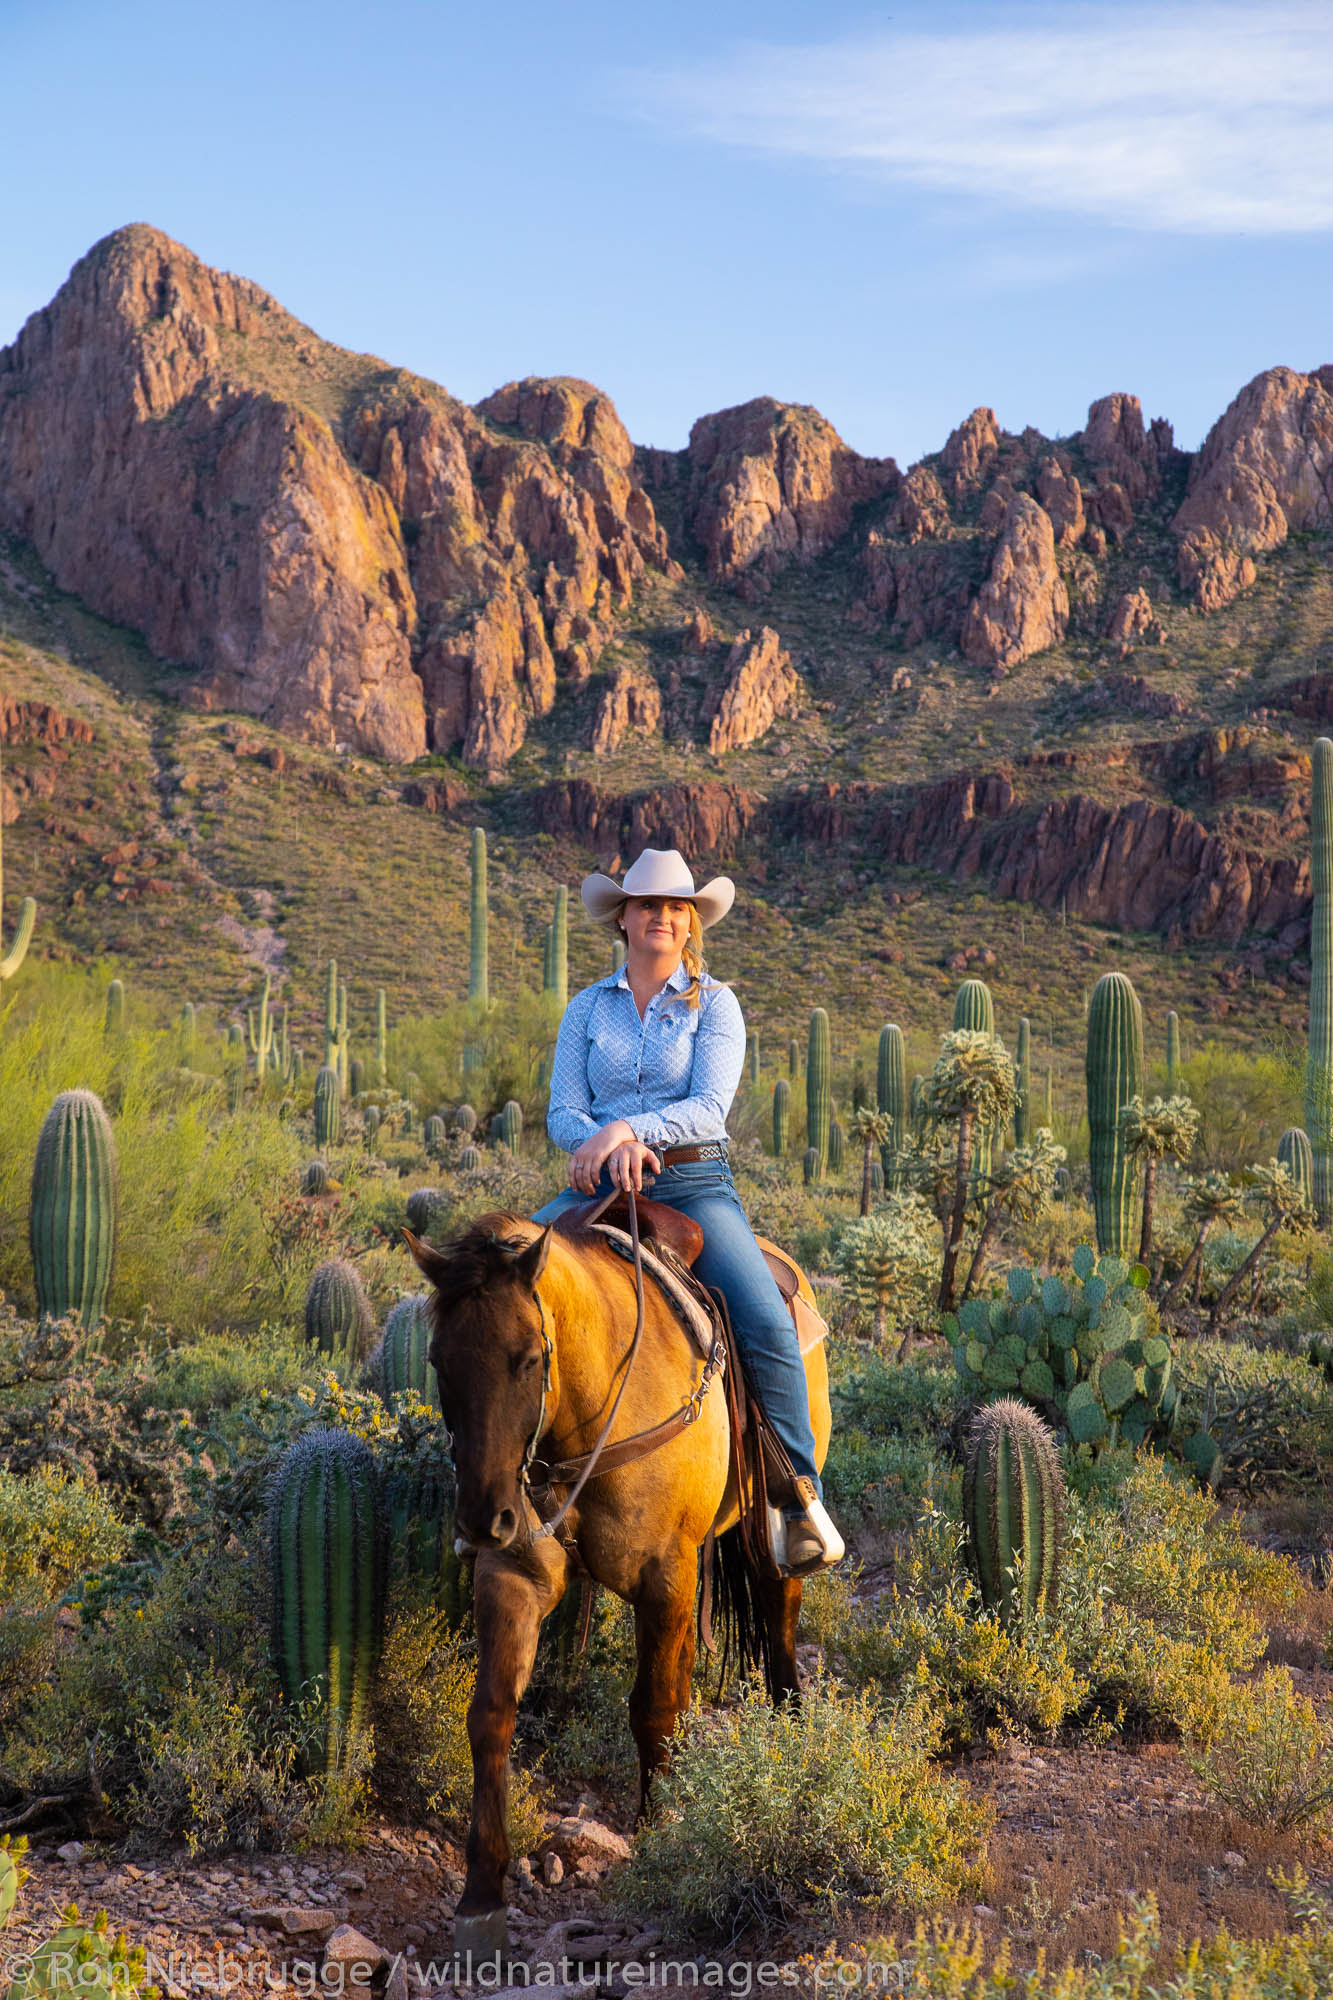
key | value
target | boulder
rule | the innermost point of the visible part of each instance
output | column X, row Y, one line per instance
column 761, row 685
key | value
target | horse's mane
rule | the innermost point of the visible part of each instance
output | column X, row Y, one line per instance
column 484, row 1250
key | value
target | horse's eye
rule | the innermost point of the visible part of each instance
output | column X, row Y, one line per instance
column 529, row 1365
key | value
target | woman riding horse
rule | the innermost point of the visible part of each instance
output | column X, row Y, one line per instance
column 646, row 1066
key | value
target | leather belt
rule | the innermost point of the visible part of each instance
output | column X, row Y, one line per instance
column 681, row 1156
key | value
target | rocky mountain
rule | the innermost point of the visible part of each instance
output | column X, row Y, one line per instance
column 1081, row 670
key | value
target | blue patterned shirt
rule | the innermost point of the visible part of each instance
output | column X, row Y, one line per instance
column 671, row 1076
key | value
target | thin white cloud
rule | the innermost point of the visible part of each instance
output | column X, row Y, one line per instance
column 1205, row 119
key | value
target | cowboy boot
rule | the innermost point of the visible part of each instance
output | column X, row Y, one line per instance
column 811, row 1540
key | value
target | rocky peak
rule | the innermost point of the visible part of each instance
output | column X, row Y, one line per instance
column 760, row 685
column 773, row 482
column 969, row 453
column 1265, row 467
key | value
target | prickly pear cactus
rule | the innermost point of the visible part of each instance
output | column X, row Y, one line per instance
column 1013, row 1510
column 12, row 1874
column 1084, row 1347
column 84, row 1960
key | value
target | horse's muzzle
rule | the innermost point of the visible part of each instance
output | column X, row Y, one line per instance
column 499, row 1534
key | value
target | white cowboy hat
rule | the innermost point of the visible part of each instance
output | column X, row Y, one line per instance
column 658, row 872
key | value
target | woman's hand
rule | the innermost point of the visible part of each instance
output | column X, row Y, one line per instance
column 615, row 1148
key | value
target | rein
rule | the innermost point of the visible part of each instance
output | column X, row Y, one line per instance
column 604, row 1458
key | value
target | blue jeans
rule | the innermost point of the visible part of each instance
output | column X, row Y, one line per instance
column 732, row 1261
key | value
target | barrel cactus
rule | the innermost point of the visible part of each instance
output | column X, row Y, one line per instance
column 465, row 1119
column 433, row 1135
column 72, row 1214
column 510, row 1132
column 810, row 1165
column 374, row 1119
column 1296, row 1155
column 1115, row 1076
column 418, row 1502
column 338, row 1319
column 1013, row 1511
column 469, row 1160
column 819, row 1087
column 356, row 1075
column 427, row 1208
column 404, row 1350
column 328, row 1106
column 326, row 1573
column 781, row 1117
column 316, row 1178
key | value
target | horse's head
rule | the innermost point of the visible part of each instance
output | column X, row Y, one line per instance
column 488, row 1352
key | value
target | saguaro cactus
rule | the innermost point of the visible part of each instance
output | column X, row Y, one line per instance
column 1013, row 1510
column 1023, row 1079
column 259, row 1033
column 974, row 1010
column 187, row 1035
column 819, row 1087
column 511, row 1125
column 328, row 1107
column 326, row 1572
column 559, row 948
column 335, row 1022
column 72, row 1214
column 810, row 1165
column 754, row 1055
column 478, row 979
column 781, row 1116
column 1172, row 1051
column 1296, row 1155
column 891, row 1097
column 114, row 1023
column 381, row 1039
column 1115, row 1075
column 1319, row 1065
column 356, row 1076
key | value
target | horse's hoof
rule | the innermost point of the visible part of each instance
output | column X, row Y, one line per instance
column 481, row 1937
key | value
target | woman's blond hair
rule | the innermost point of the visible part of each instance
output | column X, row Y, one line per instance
column 692, row 956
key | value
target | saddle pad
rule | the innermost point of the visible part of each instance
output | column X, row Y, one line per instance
column 677, row 1289
column 811, row 1327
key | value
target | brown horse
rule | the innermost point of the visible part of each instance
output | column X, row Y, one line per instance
column 532, row 1331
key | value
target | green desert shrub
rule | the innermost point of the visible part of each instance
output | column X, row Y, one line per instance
column 769, row 1815
column 191, row 1246
column 1267, row 1755
column 945, row 1957
column 54, row 1528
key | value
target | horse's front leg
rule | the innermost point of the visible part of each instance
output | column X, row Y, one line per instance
column 780, row 1598
column 664, row 1637
column 511, row 1596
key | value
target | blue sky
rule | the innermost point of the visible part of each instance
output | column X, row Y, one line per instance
column 893, row 213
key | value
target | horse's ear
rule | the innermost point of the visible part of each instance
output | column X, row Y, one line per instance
column 429, row 1260
column 531, row 1261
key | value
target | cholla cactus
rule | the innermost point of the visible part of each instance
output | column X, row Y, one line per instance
column 1162, row 1129
column 1022, row 1186
column 972, row 1083
column 1287, row 1207
column 1208, row 1200
column 887, row 1261
column 872, row 1131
